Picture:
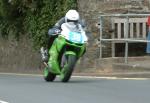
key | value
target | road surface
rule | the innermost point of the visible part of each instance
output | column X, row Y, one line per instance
column 33, row 89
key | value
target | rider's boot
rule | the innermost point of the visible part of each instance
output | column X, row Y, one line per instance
column 44, row 54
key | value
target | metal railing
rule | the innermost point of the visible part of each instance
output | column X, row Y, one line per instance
column 126, row 39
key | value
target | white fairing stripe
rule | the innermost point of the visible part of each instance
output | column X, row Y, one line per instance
column 65, row 32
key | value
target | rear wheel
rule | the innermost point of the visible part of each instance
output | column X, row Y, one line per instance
column 68, row 67
column 48, row 76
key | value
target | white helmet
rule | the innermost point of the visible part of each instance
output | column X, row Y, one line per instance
column 72, row 16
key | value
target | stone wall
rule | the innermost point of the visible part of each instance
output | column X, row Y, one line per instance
column 90, row 10
column 18, row 56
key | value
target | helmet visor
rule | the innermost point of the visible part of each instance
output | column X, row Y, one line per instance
column 75, row 21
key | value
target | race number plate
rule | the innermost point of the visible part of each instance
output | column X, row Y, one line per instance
column 75, row 37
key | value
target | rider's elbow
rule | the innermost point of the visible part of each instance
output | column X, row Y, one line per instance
column 50, row 32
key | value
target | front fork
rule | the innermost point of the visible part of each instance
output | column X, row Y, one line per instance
column 54, row 54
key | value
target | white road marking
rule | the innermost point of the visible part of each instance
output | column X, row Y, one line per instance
column 90, row 77
column 20, row 74
column 3, row 101
column 111, row 77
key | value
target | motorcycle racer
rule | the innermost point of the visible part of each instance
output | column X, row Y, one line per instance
column 71, row 20
column 67, row 44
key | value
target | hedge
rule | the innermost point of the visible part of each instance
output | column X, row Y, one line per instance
column 32, row 18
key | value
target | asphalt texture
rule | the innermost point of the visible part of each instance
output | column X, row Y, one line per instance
column 33, row 89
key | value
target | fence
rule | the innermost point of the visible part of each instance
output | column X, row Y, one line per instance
column 128, row 28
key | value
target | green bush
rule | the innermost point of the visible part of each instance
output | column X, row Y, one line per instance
column 31, row 17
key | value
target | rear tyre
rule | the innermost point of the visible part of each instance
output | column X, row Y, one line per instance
column 48, row 76
column 68, row 68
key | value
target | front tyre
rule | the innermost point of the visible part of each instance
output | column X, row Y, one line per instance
column 68, row 67
column 48, row 76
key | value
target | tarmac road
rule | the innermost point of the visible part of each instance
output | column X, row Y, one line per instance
column 33, row 89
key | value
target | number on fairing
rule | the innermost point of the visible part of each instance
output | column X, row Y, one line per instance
column 75, row 37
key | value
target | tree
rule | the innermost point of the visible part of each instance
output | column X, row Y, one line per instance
column 31, row 17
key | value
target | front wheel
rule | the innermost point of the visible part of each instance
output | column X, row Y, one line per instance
column 69, row 63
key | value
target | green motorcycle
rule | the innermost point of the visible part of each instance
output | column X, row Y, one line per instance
column 67, row 48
